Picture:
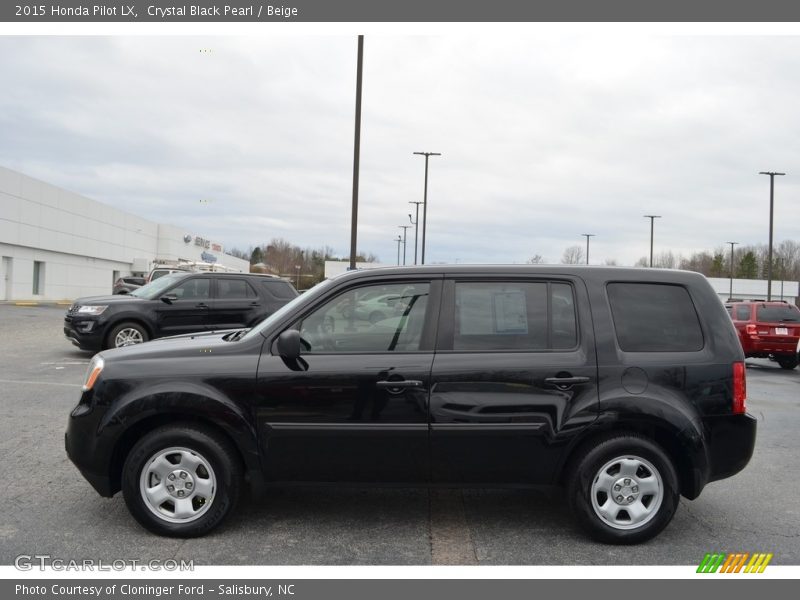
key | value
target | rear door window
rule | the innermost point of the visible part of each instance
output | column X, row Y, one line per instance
column 742, row 312
column 654, row 318
column 514, row 315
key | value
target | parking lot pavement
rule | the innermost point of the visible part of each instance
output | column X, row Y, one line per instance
column 48, row 508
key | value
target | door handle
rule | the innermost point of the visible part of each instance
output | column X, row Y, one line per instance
column 201, row 305
column 402, row 384
column 564, row 383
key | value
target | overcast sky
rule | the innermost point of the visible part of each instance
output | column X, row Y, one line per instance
column 543, row 137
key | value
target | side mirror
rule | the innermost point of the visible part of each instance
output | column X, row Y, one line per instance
column 169, row 298
column 289, row 344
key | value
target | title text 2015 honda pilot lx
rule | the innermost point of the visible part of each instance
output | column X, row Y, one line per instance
column 625, row 386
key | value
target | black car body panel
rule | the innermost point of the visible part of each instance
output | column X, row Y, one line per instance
column 439, row 410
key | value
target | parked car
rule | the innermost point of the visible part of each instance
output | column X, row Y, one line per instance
column 768, row 330
column 175, row 304
column 624, row 386
column 125, row 285
column 157, row 272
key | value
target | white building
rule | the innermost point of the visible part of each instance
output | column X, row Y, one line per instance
column 58, row 245
column 755, row 289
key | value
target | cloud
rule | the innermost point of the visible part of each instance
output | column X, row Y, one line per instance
column 543, row 138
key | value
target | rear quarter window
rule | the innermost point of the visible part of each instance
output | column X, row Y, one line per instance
column 654, row 318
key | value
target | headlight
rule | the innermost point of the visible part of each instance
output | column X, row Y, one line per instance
column 91, row 310
column 93, row 372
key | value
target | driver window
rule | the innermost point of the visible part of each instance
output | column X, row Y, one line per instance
column 376, row 318
column 191, row 289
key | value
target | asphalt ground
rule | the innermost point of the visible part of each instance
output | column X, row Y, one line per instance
column 48, row 508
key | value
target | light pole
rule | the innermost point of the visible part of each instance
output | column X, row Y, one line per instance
column 404, row 228
column 427, row 155
column 399, row 241
column 415, row 223
column 652, row 220
column 356, row 155
column 587, row 236
column 297, row 268
column 772, row 175
column 730, row 291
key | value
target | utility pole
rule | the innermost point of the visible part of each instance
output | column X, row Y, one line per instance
column 427, row 155
column 652, row 220
column 415, row 223
column 399, row 241
column 404, row 228
column 772, row 175
column 356, row 156
column 587, row 236
column 730, row 291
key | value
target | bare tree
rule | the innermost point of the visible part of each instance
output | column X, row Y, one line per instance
column 536, row 259
column 573, row 256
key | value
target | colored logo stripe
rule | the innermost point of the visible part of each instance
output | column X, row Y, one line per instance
column 733, row 563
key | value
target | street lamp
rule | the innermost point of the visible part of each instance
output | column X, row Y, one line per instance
column 427, row 155
column 297, row 268
column 652, row 220
column 730, row 291
column 415, row 223
column 399, row 241
column 356, row 154
column 404, row 228
column 587, row 236
column 772, row 175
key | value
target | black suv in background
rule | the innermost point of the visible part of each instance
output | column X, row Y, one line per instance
column 625, row 386
column 175, row 304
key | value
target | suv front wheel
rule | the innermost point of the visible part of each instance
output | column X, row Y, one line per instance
column 181, row 480
column 623, row 490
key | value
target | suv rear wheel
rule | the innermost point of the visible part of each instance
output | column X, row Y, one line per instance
column 181, row 480
column 787, row 362
column 623, row 490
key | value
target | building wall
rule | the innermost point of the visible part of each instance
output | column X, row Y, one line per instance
column 83, row 244
column 755, row 289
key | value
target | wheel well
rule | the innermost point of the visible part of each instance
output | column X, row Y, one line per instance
column 661, row 436
column 111, row 327
column 145, row 426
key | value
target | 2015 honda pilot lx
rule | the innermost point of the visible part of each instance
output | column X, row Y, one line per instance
column 624, row 386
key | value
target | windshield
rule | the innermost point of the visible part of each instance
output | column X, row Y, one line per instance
column 154, row 289
column 307, row 297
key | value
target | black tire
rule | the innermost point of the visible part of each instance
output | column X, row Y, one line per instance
column 223, row 470
column 787, row 362
column 131, row 326
column 585, row 470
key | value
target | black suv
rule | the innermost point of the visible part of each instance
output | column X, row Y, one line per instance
column 625, row 386
column 175, row 304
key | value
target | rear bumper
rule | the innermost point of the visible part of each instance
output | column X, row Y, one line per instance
column 762, row 348
column 731, row 440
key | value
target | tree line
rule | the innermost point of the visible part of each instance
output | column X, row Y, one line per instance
column 305, row 267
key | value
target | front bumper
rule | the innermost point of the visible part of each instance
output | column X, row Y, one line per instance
column 86, row 334
column 89, row 452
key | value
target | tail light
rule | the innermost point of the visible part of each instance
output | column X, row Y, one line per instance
column 750, row 329
column 739, row 389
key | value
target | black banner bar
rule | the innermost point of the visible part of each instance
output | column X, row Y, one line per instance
column 365, row 11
